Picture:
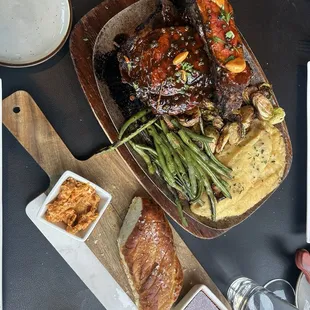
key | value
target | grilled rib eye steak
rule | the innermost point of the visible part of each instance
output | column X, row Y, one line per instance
column 167, row 86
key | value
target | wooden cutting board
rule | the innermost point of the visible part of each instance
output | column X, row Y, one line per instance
column 26, row 122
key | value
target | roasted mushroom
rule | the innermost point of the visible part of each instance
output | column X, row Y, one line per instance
column 265, row 89
column 277, row 116
column 247, row 116
column 218, row 122
column 263, row 106
column 190, row 118
column 235, row 131
column 211, row 132
column 223, row 139
column 246, row 94
column 208, row 105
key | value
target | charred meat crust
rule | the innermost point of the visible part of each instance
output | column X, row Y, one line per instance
column 169, row 88
column 223, row 43
column 214, row 42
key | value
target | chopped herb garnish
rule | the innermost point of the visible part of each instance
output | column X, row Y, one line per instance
column 218, row 40
column 187, row 66
column 135, row 85
column 229, row 35
column 230, row 58
column 226, row 16
column 186, row 87
column 236, row 49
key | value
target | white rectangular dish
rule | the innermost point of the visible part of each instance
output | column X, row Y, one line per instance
column 83, row 262
column 105, row 199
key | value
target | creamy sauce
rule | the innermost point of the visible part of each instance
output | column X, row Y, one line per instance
column 258, row 164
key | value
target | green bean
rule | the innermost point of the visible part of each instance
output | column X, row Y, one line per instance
column 128, row 138
column 180, row 168
column 191, row 173
column 197, row 137
column 211, row 197
column 176, row 144
column 225, row 183
column 133, row 119
column 214, row 178
column 216, row 161
column 181, row 214
column 158, row 126
column 162, row 163
column 206, row 183
column 192, row 134
column 165, row 150
column 182, row 178
column 145, row 157
column 186, row 139
column 199, row 192
column 209, row 152
column 218, row 169
column 164, row 126
column 203, row 139
column 201, row 125
column 173, row 184
column 175, row 123
column 147, row 148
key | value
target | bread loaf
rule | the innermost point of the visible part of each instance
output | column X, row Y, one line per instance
column 148, row 255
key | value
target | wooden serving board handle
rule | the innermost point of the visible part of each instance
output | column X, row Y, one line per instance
column 30, row 127
column 27, row 123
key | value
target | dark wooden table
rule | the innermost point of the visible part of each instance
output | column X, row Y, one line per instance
column 262, row 248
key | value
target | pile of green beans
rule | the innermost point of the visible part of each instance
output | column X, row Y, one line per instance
column 176, row 157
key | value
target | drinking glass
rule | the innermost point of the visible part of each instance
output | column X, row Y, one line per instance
column 245, row 294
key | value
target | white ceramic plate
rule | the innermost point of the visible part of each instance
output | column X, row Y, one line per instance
column 302, row 293
column 32, row 31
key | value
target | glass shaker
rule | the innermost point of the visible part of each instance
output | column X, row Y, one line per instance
column 245, row 294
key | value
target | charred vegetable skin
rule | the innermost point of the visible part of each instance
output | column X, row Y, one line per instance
column 215, row 23
column 168, row 68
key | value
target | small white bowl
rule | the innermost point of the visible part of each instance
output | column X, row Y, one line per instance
column 188, row 298
column 105, row 199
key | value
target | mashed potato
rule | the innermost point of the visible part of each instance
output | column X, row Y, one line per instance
column 258, row 164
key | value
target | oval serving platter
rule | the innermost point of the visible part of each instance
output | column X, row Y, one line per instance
column 115, row 97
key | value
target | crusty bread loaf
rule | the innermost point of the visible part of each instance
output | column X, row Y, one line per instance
column 148, row 256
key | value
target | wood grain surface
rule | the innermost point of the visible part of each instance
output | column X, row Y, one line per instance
column 82, row 43
column 31, row 128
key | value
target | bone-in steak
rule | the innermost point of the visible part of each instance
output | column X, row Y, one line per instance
column 146, row 63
